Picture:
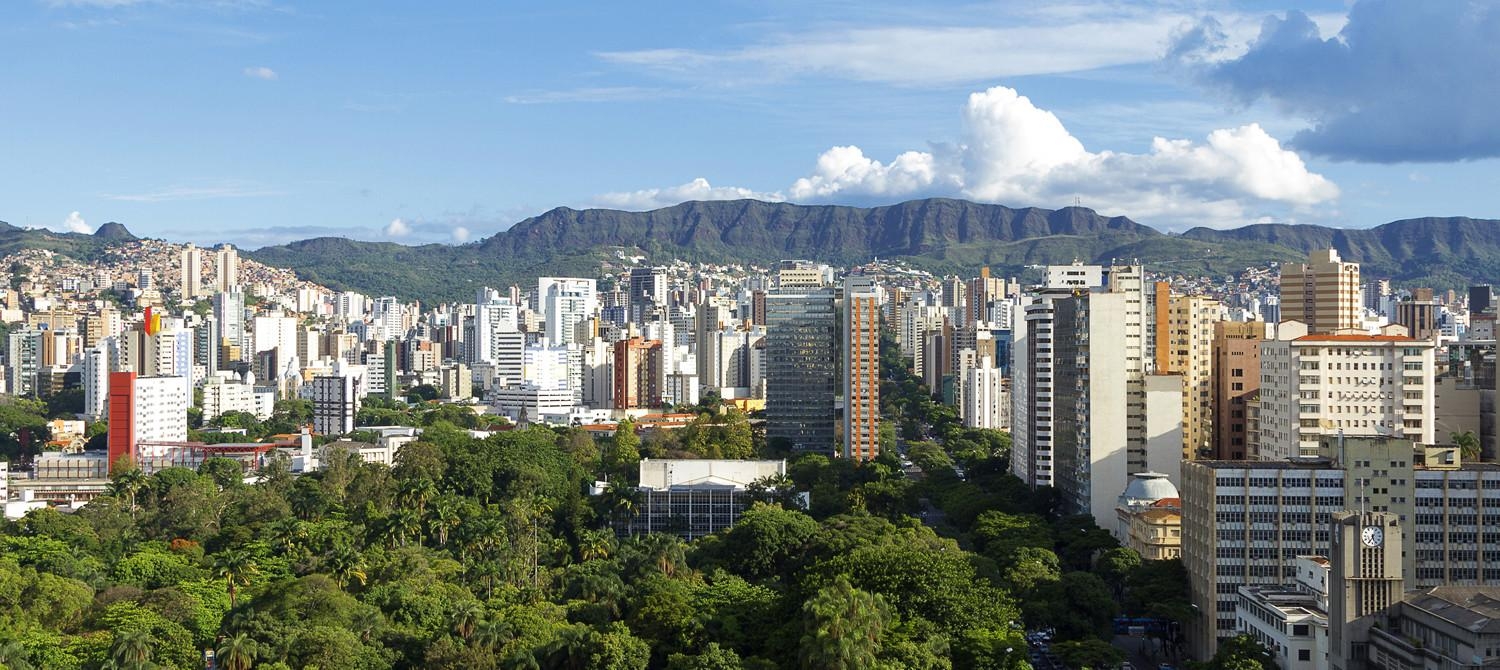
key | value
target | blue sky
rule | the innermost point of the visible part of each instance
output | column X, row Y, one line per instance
column 264, row 121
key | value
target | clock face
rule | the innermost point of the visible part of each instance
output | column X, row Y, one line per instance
column 1372, row 536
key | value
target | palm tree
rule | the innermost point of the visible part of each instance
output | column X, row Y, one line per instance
column 127, row 483
column 288, row 534
column 666, row 552
column 594, row 544
column 132, row 649
column 842, row 627
column 1468, row 444
column 366, row 622
column 404, row 524
column 622, row 499
column 417, row 492
column 466, row 617
column 443, row 519
column 491, row 634
column 481, row 535
column 237, row 653
column 235, row 566
column 345, row 564
column 13, row 656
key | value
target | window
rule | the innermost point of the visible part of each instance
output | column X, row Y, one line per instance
column 1304, row 654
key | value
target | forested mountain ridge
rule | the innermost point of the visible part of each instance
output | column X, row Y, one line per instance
column 938, row 234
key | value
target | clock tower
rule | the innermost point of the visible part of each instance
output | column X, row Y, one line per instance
column 1365, row 580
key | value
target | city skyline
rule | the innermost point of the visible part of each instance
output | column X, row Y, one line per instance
column 259, row 122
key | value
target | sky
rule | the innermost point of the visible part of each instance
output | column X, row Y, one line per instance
column 259, row 122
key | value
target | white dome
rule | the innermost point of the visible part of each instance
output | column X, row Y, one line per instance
column 1148, row 487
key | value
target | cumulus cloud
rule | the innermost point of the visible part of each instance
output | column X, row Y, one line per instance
column 1401, row 81
column 397, row 228
column 460, row 234
column 697, row 189
column 260, row 72
column 1013, row 152
column 75, row 224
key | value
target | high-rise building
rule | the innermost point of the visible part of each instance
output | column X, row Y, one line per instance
column 226, row 269
column 1236, row 380
column 1247, row 522
column 1419, row 314
column 388, row 319
column 638, row 373
column 145, row 414
column 1098, row 389
column 861, row 369
column 1041, row 398
column 802, row 368
column 1189, row 345
column 985, row 402
column 229, row 310
column 983, row 290
column 191, row 272
column 1481, row 299
column 648, row 291
column 207, row 345
column 495, row 323
column 1318, row 385
column 566, row 303
column 95, row 381
column 23, row 361
column 336, row 399
column 954, row 292
column 1323, row 293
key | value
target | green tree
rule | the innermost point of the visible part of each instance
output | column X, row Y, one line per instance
column 131, row 649
column 234, row 566
column 624, row 449
column 842, row 627
column 466, row 617
column 236, row 652
column 1468, row 444
column 126, row 480
column 713, row 657
column 1242, row 652
column 1089, row 654
column 765, row 541
column 13, row 655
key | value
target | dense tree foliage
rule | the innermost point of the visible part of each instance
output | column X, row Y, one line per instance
column 487, row 553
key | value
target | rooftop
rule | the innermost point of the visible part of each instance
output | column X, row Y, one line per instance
column 1334, row 337
column 1473, row 608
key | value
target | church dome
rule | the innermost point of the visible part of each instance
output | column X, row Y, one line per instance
column 1146, row 488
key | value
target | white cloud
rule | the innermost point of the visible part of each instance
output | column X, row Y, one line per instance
column 397, row 228
column 75, row 224
column 1012, row 41
column 697, row 189
column 1014, row 153
column 260, row 72
column 460, row 234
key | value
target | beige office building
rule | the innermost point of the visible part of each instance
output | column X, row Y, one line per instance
column 1321, row 385
column 1323, row 293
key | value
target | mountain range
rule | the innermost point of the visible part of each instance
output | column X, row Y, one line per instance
column 937, row 234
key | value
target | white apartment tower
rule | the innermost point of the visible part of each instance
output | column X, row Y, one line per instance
column 1354, row 384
